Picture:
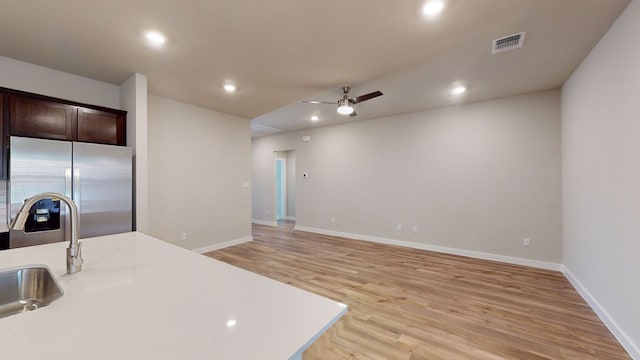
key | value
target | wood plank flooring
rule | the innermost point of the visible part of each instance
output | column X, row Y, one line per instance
column 415, row 304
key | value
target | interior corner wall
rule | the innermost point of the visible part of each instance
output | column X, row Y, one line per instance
column 23, row 76
column 479, row 177
column 601, row 178
column 133, row 97
column 199, row 161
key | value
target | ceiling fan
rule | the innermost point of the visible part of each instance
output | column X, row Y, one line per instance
column 345, row 105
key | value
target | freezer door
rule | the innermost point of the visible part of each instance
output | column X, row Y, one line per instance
column 102, row 188
column 37, row 166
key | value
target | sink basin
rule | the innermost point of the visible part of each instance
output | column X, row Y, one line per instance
column 27, row 288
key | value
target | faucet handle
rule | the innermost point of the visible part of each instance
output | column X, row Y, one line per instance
column 76, row 258
column 79, row 254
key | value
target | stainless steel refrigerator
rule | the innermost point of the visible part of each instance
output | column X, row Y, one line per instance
column 97, row 177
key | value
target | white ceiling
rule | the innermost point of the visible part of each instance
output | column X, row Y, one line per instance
column 280, row 52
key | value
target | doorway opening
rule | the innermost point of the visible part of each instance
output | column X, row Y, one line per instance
column 285, row 187
column 281, row 189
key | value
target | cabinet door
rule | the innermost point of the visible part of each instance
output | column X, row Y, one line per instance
column 41, row 118
column 101, row 127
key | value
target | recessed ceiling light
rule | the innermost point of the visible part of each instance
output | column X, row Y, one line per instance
column 458, row 90
column 230, row 87
column 314, row 118
column 231, row 323
column 155, row 39
column 433, row 7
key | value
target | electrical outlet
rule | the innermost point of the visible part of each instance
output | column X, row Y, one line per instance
column 526, row 242
column 267, row 211
column 183, row 237
column 414, row 229
column 399, row 227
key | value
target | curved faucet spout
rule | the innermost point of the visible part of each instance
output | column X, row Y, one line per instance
column 74, row 251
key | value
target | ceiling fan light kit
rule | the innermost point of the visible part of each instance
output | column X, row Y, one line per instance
column 344, row 107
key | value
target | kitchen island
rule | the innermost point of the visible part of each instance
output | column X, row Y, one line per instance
column 138, row 297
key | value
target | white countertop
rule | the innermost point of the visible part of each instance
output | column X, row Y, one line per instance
column 141, row 298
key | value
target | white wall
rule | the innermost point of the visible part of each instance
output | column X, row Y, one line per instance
column 198, row 162
column 133, row 97
column 263, row 180
column 601, row 178
column 23, row 76
column 479, row 177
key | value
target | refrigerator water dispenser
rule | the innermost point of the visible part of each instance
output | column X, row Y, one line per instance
column 44, row 215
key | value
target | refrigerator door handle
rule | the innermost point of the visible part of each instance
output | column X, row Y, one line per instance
column 68, row 190
column 76, row 187
column 67, row 183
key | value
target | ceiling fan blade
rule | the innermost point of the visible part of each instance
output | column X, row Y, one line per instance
column 319, row 102
column 366, row 97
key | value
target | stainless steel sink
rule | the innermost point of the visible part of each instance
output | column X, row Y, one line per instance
column 27, row 288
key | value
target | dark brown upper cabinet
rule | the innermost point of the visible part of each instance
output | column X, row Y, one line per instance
column 102, row 127
column 40, row 118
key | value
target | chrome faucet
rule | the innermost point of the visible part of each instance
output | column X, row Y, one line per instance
column 74, row 251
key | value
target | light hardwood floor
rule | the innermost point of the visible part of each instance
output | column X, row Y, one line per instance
column 415, row 304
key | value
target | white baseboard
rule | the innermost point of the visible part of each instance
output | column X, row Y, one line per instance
column 223, row 245
column 440, row 249
column 264, row 222
column 626, row 342
column 292, row 218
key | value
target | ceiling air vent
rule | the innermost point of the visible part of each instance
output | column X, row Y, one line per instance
column 508, row 43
